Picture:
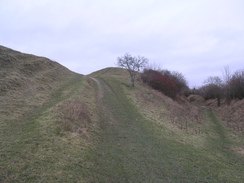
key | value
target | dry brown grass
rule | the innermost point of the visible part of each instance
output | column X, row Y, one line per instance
column 74, row 117
column 162, row 109
column 233, row 114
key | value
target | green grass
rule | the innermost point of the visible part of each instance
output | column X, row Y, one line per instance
column 132, row 149
column 32, row 151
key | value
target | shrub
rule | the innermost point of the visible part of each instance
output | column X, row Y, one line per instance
column 211, row 91
column 160, row 82
column 178, row 78
column 237, row 84
column 232, row 87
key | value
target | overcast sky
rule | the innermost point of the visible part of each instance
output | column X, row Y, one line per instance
column 195, row 37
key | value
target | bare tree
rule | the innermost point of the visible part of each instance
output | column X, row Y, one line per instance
column 213, row 88
column 214, row 80
column 227, row 76
column 132, row 64
column 237, row 84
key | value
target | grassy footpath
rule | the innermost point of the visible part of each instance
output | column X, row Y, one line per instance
column 131, row 149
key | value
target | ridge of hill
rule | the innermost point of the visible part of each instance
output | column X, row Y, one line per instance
column 59, row 126
column 19, row 71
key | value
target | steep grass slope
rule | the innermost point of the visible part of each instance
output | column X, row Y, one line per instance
column 26, row 81
column 232, row 113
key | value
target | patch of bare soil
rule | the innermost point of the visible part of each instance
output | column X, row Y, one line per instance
column 99, row 90
column 239, row 150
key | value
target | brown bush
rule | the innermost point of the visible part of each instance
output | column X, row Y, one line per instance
column 161, row 82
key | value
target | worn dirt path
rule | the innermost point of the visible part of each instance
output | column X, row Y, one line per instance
column 99, row 89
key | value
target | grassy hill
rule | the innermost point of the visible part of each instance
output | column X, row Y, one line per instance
column 37, row 141
column 58, row 126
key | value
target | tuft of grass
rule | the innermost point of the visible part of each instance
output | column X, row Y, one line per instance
column 74, row 117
